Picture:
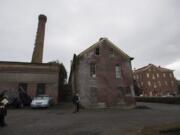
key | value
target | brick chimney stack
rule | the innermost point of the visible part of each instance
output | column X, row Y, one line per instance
column 37, row 56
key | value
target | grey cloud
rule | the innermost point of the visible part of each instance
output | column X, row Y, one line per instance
column 145, row 29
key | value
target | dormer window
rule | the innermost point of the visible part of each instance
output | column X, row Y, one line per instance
column 97, row 51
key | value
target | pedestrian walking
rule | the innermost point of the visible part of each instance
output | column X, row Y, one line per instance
column 3, row 109
column 76, row 102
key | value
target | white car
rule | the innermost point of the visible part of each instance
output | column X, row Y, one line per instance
column 42, row 101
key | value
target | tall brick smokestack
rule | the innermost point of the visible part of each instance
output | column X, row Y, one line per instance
column 37, row 56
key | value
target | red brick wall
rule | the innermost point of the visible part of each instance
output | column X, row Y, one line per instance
column 105, row 81
column 11, row 74
column 160, row 84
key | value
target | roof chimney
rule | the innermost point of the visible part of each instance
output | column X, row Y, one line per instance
column 37, row 56
column 102, row 38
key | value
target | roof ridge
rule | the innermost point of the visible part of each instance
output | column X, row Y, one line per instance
column 100, row 41
column 149, row 65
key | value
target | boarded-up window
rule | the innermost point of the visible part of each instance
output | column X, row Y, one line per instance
column 93, row 70
column 93, row 95
column 121, row 92
column 97, row 51
column 40, row 89
column 118, row 71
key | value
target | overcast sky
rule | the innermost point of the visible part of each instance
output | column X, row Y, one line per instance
column 148, row 30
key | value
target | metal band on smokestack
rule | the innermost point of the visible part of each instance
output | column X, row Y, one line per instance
column 37, row 56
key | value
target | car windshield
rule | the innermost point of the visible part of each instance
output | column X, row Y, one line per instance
column 41, row 97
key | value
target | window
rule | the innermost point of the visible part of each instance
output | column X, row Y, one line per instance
column 147, row 75
column 150, row 93
column 93, row 70
column 111, row 50
column 40, row 89
column 166, row 83
column 149, row 83
column 141, row 83
column 153, row 77
column 157, row 75
column 155, row 86
column 172, row 83
column 22, row 87
column 164, row 74
column 170, row 75
column 159, row 83
column 118, row 71
column 97, row 51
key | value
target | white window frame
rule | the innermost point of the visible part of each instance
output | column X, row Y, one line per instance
column 149, row 83
column 147, row 75
column 93, row 70
column 118, row 71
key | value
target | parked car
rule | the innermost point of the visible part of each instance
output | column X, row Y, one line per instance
column 42, row 101
column 18, row 99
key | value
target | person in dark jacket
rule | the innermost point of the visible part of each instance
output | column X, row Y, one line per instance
column 76, row 102
column 3, row 109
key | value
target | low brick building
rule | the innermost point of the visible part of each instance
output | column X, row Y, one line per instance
column 102, row 75
column 155, row 81
column 35, row 79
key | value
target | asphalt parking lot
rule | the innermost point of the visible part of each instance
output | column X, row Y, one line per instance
column 61, row 121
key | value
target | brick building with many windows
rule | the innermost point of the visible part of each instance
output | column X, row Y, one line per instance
column 155, row 81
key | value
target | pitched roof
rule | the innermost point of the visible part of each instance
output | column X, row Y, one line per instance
column 152, row 65
column 100, row 42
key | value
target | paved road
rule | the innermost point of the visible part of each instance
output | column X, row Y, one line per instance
column 59, row 121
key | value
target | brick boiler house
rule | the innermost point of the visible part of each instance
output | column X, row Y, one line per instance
column 155, row 81
column 36, row 77
column 102, row 75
